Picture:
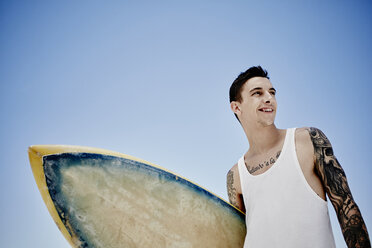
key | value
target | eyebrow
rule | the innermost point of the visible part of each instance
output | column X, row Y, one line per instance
column 259, row 88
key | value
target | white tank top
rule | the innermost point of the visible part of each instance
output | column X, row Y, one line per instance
column 282, row 210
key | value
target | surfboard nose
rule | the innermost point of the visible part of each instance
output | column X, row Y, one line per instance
column 43, row 150
column 36, row 153
column 35, row 150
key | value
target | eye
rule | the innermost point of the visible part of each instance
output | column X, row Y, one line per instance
column 273, row 93
column 256, row 93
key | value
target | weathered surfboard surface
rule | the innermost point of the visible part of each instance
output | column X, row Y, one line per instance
column 104, row 199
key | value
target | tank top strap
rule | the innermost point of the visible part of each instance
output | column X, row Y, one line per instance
column 242, row 173
column 291, row 147
column 291, row 137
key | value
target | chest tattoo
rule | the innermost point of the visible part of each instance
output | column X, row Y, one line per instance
column 267, row 163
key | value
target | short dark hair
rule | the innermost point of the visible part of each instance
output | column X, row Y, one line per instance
column 237, row 85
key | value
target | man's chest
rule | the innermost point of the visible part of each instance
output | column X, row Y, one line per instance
column 260, row 164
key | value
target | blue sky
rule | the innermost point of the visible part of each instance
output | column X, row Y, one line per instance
column 150, row 79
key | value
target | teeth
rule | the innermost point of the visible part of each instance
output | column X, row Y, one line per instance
column 267, row 110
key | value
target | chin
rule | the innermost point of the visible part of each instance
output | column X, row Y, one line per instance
column 266, row 123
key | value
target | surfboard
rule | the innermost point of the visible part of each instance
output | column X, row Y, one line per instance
column 100, row 198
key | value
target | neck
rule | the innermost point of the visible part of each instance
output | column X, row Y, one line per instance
column 261, row 139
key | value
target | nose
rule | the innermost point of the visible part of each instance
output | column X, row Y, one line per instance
column 268, row 97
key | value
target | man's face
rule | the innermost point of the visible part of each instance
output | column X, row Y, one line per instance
column 258, row 105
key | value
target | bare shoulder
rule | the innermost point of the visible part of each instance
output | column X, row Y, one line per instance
column 234, row 169
column 303, row 134
column 304, row 144
column 231, row 174
column 233, row 178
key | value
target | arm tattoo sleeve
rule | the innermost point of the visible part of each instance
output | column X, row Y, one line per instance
column 334, row 182
column 231, row 191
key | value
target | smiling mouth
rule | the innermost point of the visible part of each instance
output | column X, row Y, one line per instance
column 266, row 110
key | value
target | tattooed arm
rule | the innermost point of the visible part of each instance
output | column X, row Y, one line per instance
column 234, row 189
column 335, row 184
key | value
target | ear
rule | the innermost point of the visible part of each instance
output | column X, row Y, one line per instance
column 235, row 107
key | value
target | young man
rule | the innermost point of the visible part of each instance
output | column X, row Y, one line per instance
column 281, row 182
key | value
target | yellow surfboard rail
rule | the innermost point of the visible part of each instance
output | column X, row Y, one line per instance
column 36, row 154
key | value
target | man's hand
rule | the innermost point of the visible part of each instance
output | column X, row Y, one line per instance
column 334, row 182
